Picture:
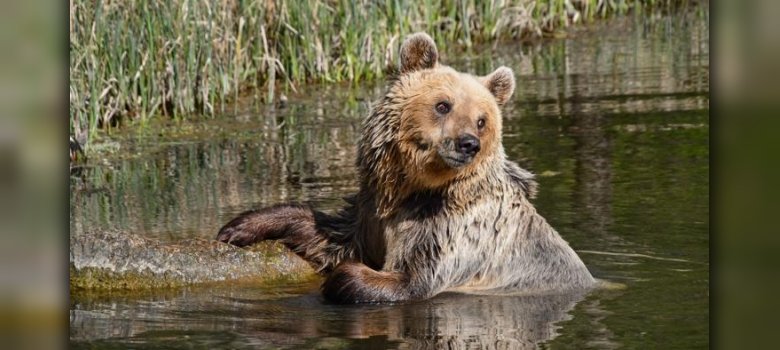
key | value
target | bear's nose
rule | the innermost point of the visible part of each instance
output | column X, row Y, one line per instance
column 468, row 144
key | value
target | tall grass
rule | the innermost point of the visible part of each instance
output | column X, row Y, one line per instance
column 135, row 60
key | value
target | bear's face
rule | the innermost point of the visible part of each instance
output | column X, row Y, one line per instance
column 450, row 122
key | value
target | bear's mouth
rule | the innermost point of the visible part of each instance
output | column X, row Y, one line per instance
column 451, row 157
column 456, row 160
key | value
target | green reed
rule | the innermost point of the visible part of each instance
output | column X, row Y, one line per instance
column 135, row 60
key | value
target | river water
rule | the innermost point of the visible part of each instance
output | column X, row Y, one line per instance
column 614, row 119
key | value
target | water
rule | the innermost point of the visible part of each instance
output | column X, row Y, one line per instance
column 614, row 119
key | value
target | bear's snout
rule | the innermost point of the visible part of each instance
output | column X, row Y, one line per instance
column 460, row 151
column 468, row 145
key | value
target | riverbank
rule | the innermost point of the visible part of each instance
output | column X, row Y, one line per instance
column 137, row 61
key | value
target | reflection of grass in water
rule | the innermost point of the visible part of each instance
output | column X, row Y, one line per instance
column 139, row 60
column 189, row 189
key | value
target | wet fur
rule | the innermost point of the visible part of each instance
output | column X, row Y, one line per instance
column 418, row 227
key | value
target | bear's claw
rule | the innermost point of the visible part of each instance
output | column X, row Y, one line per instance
column 235, row 236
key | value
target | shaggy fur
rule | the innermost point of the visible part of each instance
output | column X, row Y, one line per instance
column 432, row 214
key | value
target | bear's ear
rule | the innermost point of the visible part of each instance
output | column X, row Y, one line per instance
column 418, row 52
column 500, row 83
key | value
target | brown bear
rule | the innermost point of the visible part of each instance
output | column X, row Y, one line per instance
column 440, row 208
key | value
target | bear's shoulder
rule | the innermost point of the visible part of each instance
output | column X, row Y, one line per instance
column 522, row 179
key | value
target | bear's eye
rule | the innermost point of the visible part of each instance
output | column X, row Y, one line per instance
column 481, row 123
column 443, row 107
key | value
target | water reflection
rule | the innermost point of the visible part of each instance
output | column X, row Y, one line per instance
column 183, row 190
column 592, row 169
column 453, row 321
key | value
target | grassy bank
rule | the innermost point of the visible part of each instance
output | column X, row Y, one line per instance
column 134, row 60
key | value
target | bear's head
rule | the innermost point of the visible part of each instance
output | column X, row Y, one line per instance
column 434, row 126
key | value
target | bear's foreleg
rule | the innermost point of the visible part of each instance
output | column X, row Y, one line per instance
column 353, row 282
column 308, row 233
